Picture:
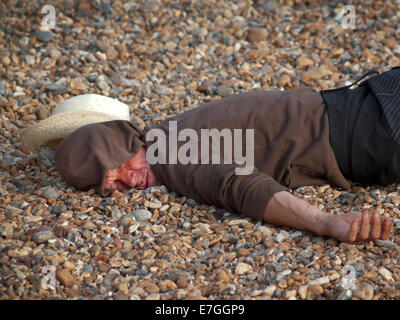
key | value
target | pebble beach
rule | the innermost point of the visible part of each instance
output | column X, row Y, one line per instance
column 163, row 58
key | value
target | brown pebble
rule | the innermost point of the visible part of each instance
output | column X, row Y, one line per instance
column 181, row 283
column 257, row 34
column 242, row 252
column 315, row 289
column 152, row 288
column 222, row 276
column 65, row 277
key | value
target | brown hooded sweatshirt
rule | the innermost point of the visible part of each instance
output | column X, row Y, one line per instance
column 291, row 149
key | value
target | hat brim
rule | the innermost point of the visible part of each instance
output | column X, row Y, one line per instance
column 59, row 126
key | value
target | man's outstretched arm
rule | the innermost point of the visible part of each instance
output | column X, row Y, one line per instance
column 284, row 209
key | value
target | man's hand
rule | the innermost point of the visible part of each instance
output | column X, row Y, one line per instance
column 359, row 227
column 284, row 209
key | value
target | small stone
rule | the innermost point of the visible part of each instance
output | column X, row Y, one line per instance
column 345, row 295
column 55, row 53
column 386, row 274
column 224, row 91
column 389, row 42
column 153, row 296
column 152, row 288
column 270, row 290
column 257, row 34
column 282, row 236
column 166, row 285
column 133, row 228
column 385, row 243
column 290, row 294
column 30, row 59
column 57, row 87
column 158, row 228
column 42, row 236
column 5, row 60
column 46, row 155
column 315, row 74
column 206, row 88
column 50, row 193
column 363, row 291
column 102, row 84
column 141, row 214
column 78, row 83
column 315, row 289
column 116, row 214
column 242, row 252
column 396, row 49
column 304, row 62
column 6, row 231
column 111, row 275
column 65, row 277
column 181, row 283
column 302, row 292
column 69, row 265
column 108, row 49
column 44, row 36
column 89, row 225
column 3, row 87
column 100, row 56
column 155, row 204
column 162, row 91
column 222, row 276
column 319, row 281
column 265, row 231
column 242, row 268
column 283, row 80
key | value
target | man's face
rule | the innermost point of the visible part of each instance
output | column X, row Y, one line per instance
column 136, row 172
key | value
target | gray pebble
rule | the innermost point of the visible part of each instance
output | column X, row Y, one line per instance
column 111, row 275
column 161, row 91
column 24, row 41
column 116, row 214
column 47, row 156
column 282, row 236
column 50, row 193
column 142, row 214
column 224, row 91
column 57, row 87
column 385, row 243
column 191, row 202
column 3, row 87
column 358, row 266
column 102, row 84
column 345, row 295
column 92, row 77
column 305, row 254
column 30, row 59
column 44, row 36
column 363, row 291
column 6, row 231
column 42, row 236
column 126, row 221
column 269, row 6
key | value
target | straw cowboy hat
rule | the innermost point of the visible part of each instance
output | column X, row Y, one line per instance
column 70, row 115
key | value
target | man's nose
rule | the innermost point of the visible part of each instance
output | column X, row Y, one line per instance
column 130, row 178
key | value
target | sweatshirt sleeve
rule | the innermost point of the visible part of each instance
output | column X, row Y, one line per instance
column 219, row 185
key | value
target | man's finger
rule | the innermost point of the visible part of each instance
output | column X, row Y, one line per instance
column 353, row 230
column 386, row 228
column 375, row 227
column 365, row 225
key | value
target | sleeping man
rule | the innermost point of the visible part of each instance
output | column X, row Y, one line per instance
column 242, row 153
